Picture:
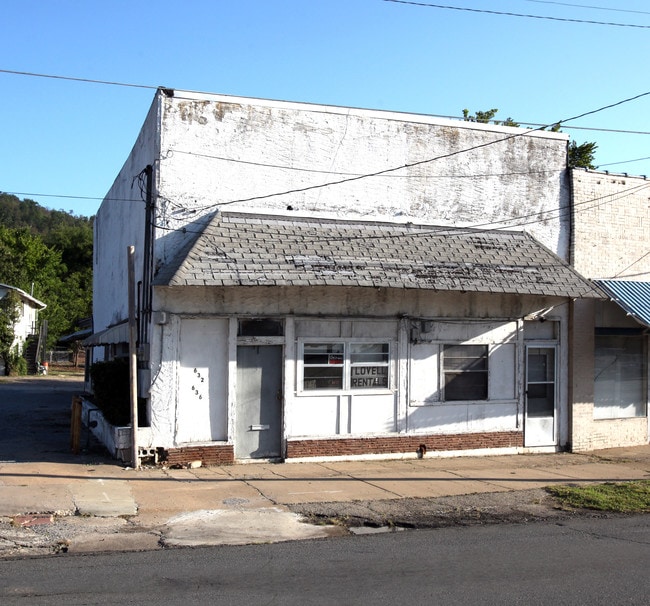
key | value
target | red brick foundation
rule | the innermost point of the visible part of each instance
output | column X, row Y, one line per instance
column 223, row 454
column 217, row 454
column 337, row 447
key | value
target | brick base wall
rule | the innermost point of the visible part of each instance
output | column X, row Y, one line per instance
column 217, row 454
column 401, row 444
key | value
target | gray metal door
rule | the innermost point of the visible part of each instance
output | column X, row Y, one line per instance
column 258, row 415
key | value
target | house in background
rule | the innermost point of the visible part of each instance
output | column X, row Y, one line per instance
column 320, row 281
column 609, row 353
column 27, row 325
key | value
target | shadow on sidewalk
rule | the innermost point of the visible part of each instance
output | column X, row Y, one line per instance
column 35, row 422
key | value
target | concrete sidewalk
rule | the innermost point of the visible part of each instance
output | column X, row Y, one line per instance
column 94, row 504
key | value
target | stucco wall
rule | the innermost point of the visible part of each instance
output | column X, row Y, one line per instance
column 120, row 223
column 218, row 150
column 346, row 302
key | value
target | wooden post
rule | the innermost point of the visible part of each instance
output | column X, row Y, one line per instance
column 133, row 360
column 75, row 424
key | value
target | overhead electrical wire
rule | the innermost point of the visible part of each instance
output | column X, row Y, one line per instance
column 419, row 162
column 444, row 230
column 355, row 177
column 342, row 173
column 74, row 79
column 69, row 197
column 509, row 14
column 624, row 161
column 598, row 8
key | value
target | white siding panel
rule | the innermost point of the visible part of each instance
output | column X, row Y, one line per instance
column 372, row 414
column 502, row 369
column 203, row 378
column 314, row 416
column 423, row 387
column 462, row 418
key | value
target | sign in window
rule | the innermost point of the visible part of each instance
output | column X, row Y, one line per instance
column 346, row 365
column 368, row 365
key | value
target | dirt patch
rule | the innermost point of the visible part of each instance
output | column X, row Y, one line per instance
column 515, row 507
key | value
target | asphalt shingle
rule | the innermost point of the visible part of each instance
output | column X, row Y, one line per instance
column 252, row 250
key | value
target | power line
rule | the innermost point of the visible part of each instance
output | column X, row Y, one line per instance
column 632, row 264
column 421, row 162
column 624, row 161
column 74, row 79
column 489, row 12
column 410, row 176
column 322, row 185
column 151, row 87
column 598, row 8
column 334, row 172
column 504, row 224
column 69, row 197
column 517, row 222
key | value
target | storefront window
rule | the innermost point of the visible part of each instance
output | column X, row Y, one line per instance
column 619, row 377
column 346, row 365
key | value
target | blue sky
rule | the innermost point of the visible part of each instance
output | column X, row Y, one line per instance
column 64, row 140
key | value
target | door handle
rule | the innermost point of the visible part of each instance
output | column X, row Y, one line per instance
column 259, row 427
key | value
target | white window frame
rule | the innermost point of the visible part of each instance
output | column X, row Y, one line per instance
column 348, row 365
column 443, row 371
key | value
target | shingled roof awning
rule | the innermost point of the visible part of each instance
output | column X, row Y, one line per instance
column 239, row 249
column 632, row 296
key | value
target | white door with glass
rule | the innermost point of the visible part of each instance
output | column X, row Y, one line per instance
column 541, row 397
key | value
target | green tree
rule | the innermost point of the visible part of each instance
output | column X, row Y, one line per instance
column 487, row 116
column 28, row 263
column 75, row 243
column 50, row 252
column 582, row 156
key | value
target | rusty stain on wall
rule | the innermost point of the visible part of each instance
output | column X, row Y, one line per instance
column 193, row 111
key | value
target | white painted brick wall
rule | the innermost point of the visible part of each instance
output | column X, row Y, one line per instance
column 612, row 225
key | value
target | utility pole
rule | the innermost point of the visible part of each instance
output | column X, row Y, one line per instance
column 133, row 359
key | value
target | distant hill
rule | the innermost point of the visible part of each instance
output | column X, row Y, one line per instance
column 15, row 213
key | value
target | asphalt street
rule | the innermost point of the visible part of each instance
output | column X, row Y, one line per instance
column 594, row 562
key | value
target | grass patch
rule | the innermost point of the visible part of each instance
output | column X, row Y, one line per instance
column 621, row 497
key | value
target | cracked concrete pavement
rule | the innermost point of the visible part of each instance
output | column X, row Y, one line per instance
column 54, row 502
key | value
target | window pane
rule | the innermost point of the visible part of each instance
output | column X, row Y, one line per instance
column 368, row 377
column 465, row 357
column 465, row 386
column 373, row 353
column 619, row 377
column 323, row 377
column 323, row 353
column 465, row 372
column 369, row 365
column 541, row 365
column 540, row 401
